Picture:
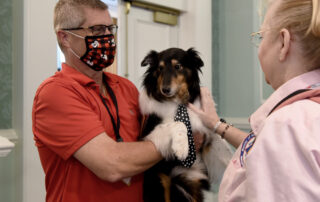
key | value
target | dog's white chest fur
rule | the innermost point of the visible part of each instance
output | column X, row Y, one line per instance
column 219, row 154
column 167, row 111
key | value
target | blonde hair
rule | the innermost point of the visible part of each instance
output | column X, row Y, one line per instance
column 70, row 14
column 302, row 18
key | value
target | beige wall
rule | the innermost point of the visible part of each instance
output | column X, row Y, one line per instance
column 39, row 62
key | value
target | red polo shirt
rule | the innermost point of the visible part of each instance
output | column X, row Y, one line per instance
column 67, row 113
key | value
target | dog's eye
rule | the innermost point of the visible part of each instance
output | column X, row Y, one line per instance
column 178, row 66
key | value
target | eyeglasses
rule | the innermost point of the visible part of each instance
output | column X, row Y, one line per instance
column 97, row 30
column 256, row 38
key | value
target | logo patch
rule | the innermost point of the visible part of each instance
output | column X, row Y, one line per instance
column 247, row 146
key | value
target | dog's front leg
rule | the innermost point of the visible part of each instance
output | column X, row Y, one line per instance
column 171, row 140
column 216, row 156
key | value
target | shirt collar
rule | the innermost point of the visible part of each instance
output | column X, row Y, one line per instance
column 83, row 79
column 300, row 82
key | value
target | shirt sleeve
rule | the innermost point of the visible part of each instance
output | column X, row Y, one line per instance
column 63, row 119
column 284, row 164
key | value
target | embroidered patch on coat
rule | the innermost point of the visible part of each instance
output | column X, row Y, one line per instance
column 246, row 147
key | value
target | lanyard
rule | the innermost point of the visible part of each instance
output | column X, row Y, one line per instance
column 314, row 86
column 116, row 126
column 286, row 98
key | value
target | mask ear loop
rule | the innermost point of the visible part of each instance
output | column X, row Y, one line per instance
column 74, row 53
column 76, row 35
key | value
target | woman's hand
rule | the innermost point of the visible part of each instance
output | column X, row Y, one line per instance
column 207, row 112
column 209, row 117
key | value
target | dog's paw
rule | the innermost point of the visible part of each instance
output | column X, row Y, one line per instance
column 180, row 146
column 170, row 139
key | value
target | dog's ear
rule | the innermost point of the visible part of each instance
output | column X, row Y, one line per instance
column 194, row 58
column 150, row 59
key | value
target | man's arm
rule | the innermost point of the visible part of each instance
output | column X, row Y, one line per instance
column 112, row 161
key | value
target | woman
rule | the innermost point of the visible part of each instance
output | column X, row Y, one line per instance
column 280, row 159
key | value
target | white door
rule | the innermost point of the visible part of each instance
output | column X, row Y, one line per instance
column 145, row 35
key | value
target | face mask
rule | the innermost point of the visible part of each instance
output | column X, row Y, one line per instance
column 100, row 51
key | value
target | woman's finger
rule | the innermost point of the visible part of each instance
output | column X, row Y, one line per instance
column 194, row 108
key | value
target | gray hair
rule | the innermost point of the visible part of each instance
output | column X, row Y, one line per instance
column 70, row 14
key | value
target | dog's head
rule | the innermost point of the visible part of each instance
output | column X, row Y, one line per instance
column 173, row 75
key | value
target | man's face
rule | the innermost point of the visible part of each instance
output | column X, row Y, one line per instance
column 93, row 17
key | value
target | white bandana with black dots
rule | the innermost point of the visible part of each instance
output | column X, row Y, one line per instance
column 182, row 116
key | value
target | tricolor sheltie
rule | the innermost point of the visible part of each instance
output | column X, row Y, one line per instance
column 172, row 79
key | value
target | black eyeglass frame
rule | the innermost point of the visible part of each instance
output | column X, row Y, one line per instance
column 111, row 28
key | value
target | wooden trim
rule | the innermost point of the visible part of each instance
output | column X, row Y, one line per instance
column 153, row 7
column 177, row 5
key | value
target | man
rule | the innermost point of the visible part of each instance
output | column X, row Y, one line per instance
column 85, row 121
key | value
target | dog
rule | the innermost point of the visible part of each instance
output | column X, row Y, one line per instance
column 172, row 80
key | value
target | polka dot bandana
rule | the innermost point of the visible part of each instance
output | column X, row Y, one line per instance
column 182, row 116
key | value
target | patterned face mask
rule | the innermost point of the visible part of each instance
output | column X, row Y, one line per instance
column 100, row 51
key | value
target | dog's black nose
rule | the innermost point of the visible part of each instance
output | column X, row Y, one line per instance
column 166, row 90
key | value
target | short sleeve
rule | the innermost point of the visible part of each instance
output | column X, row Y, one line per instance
column 63, row 119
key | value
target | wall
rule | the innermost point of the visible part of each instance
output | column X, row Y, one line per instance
column 33, row 59
column 5, row 64
column 195, row 31
column 234, row 58
column 39, row 62
column 7, row 178
column 9, row 175
column 238, row 83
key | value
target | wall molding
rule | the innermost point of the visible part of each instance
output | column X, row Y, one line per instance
column 179, row 5
column 10, row 134
column 239, row 122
